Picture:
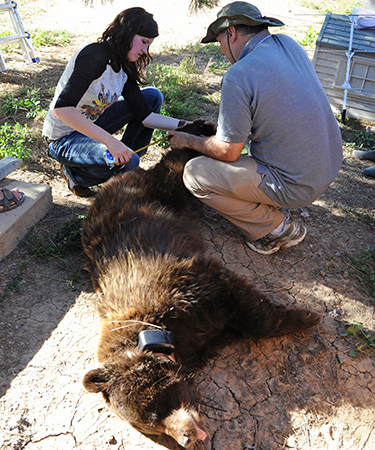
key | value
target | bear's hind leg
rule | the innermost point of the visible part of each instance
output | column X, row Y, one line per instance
column 256, row 316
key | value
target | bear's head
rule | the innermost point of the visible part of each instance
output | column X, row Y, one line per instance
column 150, row 393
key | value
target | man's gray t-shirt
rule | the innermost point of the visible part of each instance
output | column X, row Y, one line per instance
column 272, row 97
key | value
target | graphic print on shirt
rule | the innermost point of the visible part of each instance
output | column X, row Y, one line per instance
column 95, row 108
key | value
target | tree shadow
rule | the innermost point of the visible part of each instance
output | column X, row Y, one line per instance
column 52, row 70
column 37, row 290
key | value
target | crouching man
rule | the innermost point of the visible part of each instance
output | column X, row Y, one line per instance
column 273, row 103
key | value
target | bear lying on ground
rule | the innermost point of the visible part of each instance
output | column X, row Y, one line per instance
column 147, row 262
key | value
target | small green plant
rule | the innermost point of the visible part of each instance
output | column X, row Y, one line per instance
column 218, row 63
column 324, row 6
column 26, row 100
column 365, row 340
column 13, row 284
column 365, row 139
column 44, row 38
column 8, row 47
column 14, row 141
column 183, row 93
column 310, row 38
column 67, row 237
column 362, row 268
column 218, row 66
column 210, row 54
column 39, row 38
column 188, row 66
column 366, row 218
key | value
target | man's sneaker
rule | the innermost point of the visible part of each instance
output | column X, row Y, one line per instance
column 365, row 154
column 369, row 171
column 293, row 234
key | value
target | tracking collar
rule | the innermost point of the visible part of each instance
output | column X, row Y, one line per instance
column 156, row 341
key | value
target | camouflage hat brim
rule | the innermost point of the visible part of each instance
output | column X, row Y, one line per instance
column 238, row 13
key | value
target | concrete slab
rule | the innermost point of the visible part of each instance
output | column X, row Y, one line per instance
column 14, row 224
column 8, row 165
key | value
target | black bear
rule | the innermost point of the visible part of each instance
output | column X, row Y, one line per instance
column 165, row 306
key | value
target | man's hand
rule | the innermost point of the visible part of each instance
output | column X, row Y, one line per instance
column 178, row 139
column 209, row 146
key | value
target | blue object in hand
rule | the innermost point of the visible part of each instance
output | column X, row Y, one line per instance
column 108, row 158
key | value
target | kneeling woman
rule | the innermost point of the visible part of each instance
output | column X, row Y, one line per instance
column 97, row 95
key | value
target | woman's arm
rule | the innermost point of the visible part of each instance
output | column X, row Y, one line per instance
column 73, row 118
column 160, row 122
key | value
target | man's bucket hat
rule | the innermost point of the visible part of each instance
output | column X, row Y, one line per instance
column 238, row 13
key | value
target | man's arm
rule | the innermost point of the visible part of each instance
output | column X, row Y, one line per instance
column 209, row 146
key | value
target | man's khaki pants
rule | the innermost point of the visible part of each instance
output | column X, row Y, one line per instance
column 232, row 189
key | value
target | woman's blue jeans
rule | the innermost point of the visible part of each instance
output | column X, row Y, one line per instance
column 83, row 156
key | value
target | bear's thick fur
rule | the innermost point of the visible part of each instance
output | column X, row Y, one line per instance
column 147, row 262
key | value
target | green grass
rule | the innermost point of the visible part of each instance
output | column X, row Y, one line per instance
column 216, row 62
column 39, row 38
column 182, row 89
column 9, row 47
column 365, row 139
column 353, row 138
column 185, row 95
column 309, row 40
column 22, row 106
column 219, row 66
column 362, row 269
column 334, row 6
column 15, row 141
column 209, row 54
column 45, row 248
column 14, row 283
column 67, row 237
column 26, row 101
column 367, row 218
column 48, row 38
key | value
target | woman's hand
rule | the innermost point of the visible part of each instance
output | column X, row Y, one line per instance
column 120, row 152
column 72, row 117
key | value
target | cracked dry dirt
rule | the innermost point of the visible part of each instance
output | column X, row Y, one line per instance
column 298, row 392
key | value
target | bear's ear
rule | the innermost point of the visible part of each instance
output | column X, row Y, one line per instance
column 96, row 380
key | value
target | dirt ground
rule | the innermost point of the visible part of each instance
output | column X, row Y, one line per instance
column 297, row 392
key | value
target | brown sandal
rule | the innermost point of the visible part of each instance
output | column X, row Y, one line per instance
column 10, row 201
column 79, row 191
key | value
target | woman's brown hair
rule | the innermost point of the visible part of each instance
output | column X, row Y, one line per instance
column 119, row 35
